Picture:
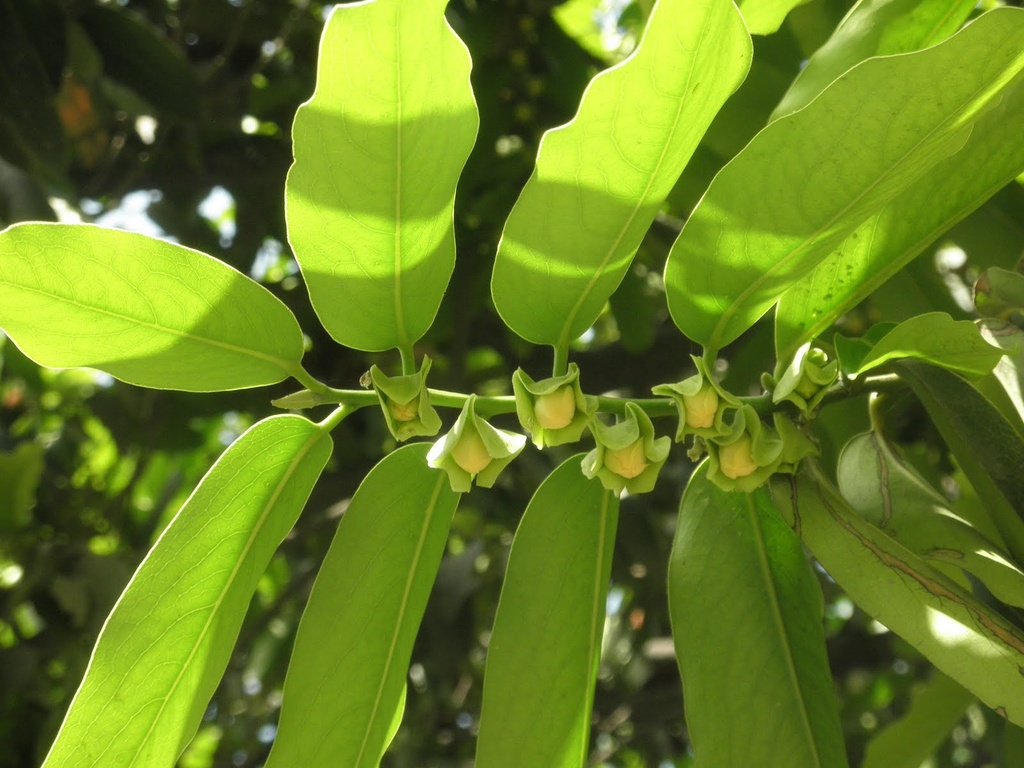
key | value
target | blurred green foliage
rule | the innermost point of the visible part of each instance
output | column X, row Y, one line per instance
column 131, row 114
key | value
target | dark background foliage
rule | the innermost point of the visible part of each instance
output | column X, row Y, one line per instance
column 174, row 116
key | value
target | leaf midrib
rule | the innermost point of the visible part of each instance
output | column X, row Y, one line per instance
column 564, row 334
column 281, row 363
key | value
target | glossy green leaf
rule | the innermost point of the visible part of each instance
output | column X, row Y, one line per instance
column 747, row 626
column 874, row 28
column 345, row 688
column 989, row 450
column 146, row 311
column 964, row 638
column 936, row 706
column 165, row 645
column 763, row 17
column 809, row 180
column 543, row 653
column 934, row 338
column 889, row 240
column 600, row 179
column 378, row 152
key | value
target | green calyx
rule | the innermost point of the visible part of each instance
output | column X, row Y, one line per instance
column 705, row 408
column 405, row 402
column 474, row 450
column 554, row 411
column 806, row 380
column 628, row 456
column 746, row 458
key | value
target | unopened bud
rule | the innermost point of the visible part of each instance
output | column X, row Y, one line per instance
column 628, row 462
column 701, row 408
column 556, row 410
column 470, row 453
column 735, row 458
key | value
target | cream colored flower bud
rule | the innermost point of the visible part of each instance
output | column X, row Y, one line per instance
column 701, row 408
column 736, row 460
column 404, row 412
column 628, row 462
column 556, row 410
column 470, row 453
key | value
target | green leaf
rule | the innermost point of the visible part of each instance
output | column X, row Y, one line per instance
column 874, row 28
column 889, row 240
column 746, row 622
column 934, row 338
column 600, row 179
column 136, row 54
column 936, row 706
column 165, row 645
column 989, row 450
column 806, row 182
column 543, row 654
column 378, row 152
column 763, row 17
column 345, row 688
column 146, row 311
column 967, row 640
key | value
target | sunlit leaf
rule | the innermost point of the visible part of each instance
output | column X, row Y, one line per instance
column 600, row 179
column 146, row 311
column 966, row 639
column 766, row 16
column 378, row 151
column 345, row 688
column 164, row 647
column 543, row 653
column 809, row 180
column 933, row 337
column 746, row 623
column 874, row 28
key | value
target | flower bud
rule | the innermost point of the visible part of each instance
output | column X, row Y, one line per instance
column 470, row 452
column 474, row 451
column 807, row 379
column 556, row 410
column 735, row 459
column 405, row 402
column 628, row 456
column 700, row 409
column 628, row 462
column 705, row 408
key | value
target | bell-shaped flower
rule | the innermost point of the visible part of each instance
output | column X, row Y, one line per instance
column 474, row 450
column 754, row 451
column 554, row 411
column 405, row 402
column 628, row 456
column 806, row 380
column 705, row 408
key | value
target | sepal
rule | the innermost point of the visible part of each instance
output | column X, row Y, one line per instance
column 554, row 411
column 807, row 379
column 405, row 402
column 705, row 408
column 628, row 456
column 474, row 450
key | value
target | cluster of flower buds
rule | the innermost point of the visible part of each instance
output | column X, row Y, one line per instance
column 743, row 451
